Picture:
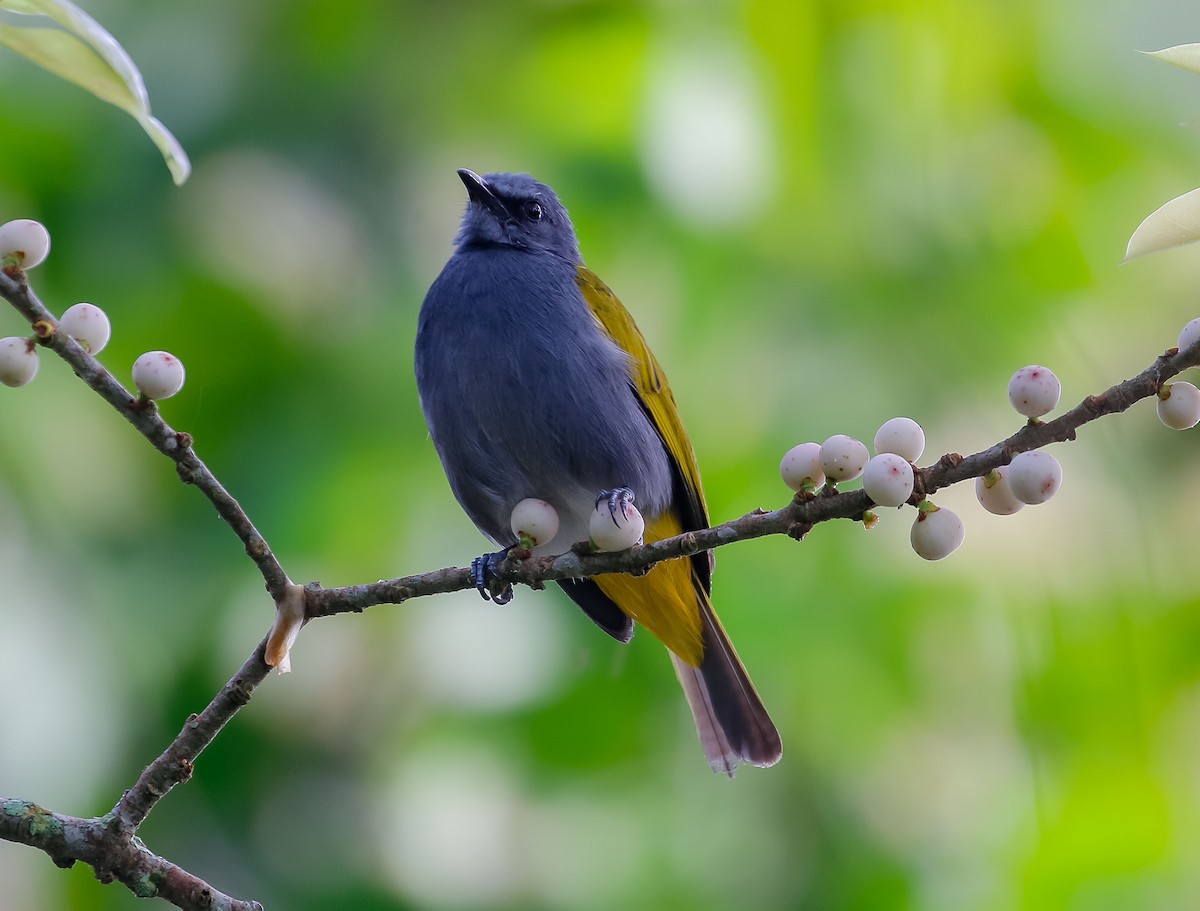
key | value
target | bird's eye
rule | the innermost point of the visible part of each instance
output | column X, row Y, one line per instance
column 533, row 211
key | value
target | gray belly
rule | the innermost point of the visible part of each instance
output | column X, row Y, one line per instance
column 526, row 396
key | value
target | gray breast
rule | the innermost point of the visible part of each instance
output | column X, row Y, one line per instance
column 525, row 395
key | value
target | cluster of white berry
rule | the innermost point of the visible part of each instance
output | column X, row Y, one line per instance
column 1179, row 402
column 887, row 479
column 1031, row 478
column 535, row 522
column 24, row 243
column 937, row 532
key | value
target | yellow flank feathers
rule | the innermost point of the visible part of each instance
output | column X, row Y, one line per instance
column 665, row 599
column 650, row 382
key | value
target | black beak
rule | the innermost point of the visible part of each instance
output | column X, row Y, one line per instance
column 480, row 192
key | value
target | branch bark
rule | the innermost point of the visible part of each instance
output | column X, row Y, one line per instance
column 175, row 764
column 114, row 856
column 109, row 843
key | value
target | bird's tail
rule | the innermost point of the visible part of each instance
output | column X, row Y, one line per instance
column 734, row 726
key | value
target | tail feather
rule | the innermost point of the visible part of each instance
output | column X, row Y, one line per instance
column 602, row 610
column 734, row 726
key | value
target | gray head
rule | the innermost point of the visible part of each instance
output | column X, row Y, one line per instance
column 514, row 210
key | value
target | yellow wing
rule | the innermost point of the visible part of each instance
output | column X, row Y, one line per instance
column 667, row 599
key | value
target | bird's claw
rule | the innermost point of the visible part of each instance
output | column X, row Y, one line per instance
column 618, row 498
column 487, row 583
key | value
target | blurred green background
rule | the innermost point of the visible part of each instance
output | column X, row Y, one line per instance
column 822, row 215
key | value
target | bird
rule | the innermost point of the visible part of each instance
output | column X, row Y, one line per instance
column 535, row 381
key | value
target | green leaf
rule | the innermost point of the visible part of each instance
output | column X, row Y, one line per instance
column 1172, row 224
column 62, row 38
column 1184, row 56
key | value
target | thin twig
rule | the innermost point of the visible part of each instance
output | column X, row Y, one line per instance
column 143, row 414
column 175, row 764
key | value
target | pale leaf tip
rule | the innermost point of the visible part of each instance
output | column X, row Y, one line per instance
column 172, row 152
column 1172, row 224
column 1184, row 56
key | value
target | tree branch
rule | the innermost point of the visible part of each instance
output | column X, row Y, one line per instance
column 114, row 856
column 143, row 414
column 109, row 844
column 175, row 764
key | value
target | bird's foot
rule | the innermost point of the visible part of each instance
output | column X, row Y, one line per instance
column 487, row 583
column 618, row 499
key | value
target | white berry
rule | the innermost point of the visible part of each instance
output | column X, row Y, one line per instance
column 534, row 520
column 995, row 494
column 18, row 361
column 888, row 479
column 843, row 458
column 801, row 467
column 1179, row 405
column 903, row 436
column 937, row 532
column 88, row 325
column 1189, row 334
column 23, row 243
column 1034, row 477
column 158, row 375
column 1034, row 390
column 615, row 529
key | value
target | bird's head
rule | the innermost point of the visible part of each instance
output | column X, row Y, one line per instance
column 514, row 210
